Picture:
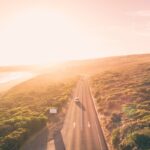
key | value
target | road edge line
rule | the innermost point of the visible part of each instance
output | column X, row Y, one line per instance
column 93, row 99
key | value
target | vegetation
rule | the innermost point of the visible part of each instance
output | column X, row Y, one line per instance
column 123, row 97
column 24, row 109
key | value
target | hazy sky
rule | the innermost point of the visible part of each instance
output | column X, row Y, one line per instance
column 39, row 31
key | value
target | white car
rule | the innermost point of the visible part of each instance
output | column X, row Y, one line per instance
column 76, row 99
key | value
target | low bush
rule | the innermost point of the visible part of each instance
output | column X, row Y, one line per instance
column 123, row 97
column 24, row 109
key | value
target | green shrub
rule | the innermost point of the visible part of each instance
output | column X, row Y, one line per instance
column 125, row 93
column 136, row 141
column 116, row 138
column 14, row 139
column 116, row 118
column 24, row 108
column 130, row 110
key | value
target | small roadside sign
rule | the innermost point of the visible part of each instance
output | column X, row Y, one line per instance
column 53, row 110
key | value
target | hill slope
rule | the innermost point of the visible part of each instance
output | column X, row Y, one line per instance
column 24, row 109
column 93, row 66
column 123, row 99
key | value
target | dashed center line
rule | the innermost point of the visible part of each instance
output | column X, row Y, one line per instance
column 74, row 125
column 98, row 135
column 89, row 124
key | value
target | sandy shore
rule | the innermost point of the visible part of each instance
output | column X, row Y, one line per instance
column 6, row 86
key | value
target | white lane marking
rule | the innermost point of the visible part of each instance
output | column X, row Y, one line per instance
column 82, row 114
column 74, row 125
column 81, row 119
column 89, row 124
column 98, row 135
column 81, row 111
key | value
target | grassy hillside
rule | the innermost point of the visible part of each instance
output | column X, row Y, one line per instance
column 121, row 87
column 123, row 99
column 93, row 66
column 24, row 108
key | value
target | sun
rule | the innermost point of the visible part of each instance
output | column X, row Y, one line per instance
column 40, row 36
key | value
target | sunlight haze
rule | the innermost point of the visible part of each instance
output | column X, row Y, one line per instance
column 53, row 31
column 74, row 74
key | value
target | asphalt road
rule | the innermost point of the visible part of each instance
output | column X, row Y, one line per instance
column 81, row 130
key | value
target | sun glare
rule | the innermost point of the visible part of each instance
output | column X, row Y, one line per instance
column 41, row 37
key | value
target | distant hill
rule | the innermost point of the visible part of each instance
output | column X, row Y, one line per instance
column 89, row 66
column 92, row 66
